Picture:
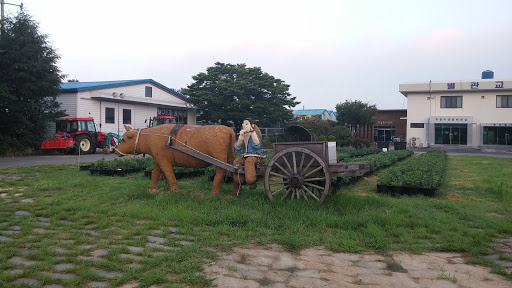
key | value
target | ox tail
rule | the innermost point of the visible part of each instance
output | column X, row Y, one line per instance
column 231, row 150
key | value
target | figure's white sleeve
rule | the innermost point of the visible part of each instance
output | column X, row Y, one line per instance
column 255, row 138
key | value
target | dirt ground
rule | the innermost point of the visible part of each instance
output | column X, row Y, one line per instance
column 272, row 266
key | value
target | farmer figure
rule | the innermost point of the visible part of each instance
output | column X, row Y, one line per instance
column 249, row 141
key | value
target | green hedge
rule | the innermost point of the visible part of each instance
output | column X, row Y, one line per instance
column 424, row 171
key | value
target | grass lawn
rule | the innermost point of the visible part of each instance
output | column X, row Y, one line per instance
column 113, row 225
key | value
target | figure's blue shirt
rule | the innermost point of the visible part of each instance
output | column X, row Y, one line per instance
column 251, row 147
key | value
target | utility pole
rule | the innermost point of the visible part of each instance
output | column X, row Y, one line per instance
column 2, row 3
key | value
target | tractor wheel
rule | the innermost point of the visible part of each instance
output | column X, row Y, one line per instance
column 84, row 144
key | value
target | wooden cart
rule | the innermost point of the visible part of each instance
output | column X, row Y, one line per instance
column 298, row 170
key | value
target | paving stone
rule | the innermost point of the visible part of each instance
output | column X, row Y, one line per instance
column 28, row 200
column 155, row 245
column 87, row 258
column 7, row 200
column 173, row 230
column 63, row 266
column 154, row 239
column 106, row 274
column 97, row 284
column 506, row 264
column 19, row 260
column 53, row 286
column 66, row 222
column 16, row 228
column 135, row 249
column 41, row 230
column 134, row 265
column 4, row 223
column 134, row 257
column 22, row 213
column 92, row 233
column 44, row 219
column 13, row 271
column 9, row 232
column 27, row 282
column 130, row 285
column 3, row 195
column 43, row 224
column 60, row 275
column 24, row 250
column 86, row 246
column 18, row 194
column 59, row 250
column 99, row 253
column 184, row 243
column 4, row 238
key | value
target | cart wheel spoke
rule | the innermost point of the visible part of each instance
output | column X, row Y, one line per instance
column 278, row 175
column 310, row 193
column 287, row 192
column 302, row 175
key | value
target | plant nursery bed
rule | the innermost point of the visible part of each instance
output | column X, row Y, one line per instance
column 404, row 190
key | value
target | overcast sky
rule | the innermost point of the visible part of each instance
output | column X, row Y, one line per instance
column 327, row 51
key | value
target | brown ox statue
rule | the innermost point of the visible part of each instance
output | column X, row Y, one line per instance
column 216, row 141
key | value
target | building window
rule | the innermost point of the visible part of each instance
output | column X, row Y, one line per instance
column 149, row 92
column 110, row 115
column 497, row 135
column 451, row 101
column 503, row 101
column 417, row 125
column 127, row 116
column 383, row 133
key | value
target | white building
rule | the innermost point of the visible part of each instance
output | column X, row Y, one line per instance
column 322, row 114
column 115, row 103
column 475, row 113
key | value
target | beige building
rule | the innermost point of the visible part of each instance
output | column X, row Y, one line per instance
column 474, row 113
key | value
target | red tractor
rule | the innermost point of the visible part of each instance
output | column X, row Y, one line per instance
column 159, row 120
column 76, row 134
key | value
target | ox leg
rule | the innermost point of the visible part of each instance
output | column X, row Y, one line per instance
column 155, row 176
column 238, row 179
column 217, row 180
column 167, row 168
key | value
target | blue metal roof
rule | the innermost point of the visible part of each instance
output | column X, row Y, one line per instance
column 314, row 111
column 84, row 86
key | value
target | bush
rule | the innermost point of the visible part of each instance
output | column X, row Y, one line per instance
column 321, row 138
column 424, row 171
column 331, row 138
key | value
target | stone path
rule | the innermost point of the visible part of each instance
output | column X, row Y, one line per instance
column 250, row 266
column 65, row 270
column 272, row 267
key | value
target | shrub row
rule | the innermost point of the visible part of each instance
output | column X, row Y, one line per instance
column 382, row 160
column 425, row 171
column 385, row 159
column 344, row 154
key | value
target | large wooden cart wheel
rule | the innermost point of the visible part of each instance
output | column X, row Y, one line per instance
column 297, row 173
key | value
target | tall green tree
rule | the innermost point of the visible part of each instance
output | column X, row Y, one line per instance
column 355, row 114
column 228, row 93
column 318, row 127
column 29, row 84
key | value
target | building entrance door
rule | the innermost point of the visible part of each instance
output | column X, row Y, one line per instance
column 454, row 134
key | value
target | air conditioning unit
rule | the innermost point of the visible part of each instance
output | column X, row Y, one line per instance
column 415, row 141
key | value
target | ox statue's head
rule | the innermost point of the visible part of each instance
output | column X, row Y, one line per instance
column 128, row 142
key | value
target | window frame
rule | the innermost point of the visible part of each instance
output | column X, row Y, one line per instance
column 148, row 92
column 125, row 120
column 451, row 102
column 110, row 119
column 499, row 103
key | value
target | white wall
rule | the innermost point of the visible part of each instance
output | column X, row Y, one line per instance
column 93, row 103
